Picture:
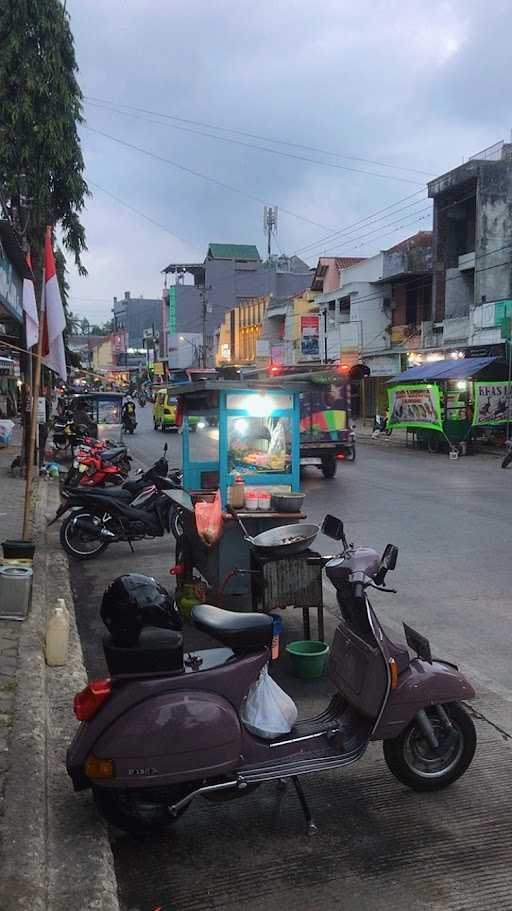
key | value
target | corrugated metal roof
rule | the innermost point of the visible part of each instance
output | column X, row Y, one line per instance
column 233, row 251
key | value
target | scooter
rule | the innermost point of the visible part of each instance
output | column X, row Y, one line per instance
column 151, row 743
column 129, row 422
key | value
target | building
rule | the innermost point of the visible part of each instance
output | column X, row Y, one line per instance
column 376, row 314
column 471, row 250
column 290, row 332
column 327, row 276
column 136, row 315
column 239, row 333
column 229, row 275
column 84, row 345
column 12, row 272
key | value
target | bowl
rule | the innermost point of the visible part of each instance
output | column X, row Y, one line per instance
column 287, row 502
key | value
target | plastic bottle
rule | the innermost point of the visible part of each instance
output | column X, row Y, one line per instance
column 277, row 629
column 57, row 635
column 237, row 493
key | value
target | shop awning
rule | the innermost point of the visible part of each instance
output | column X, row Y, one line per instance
column 445, row 370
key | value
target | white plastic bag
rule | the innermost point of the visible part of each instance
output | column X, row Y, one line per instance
column 267, row 710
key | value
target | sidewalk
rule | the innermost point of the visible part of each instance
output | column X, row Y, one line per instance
column 400, row 439
column 54, row 850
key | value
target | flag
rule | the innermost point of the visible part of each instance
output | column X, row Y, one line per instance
column 30, row 308
column 54, row 323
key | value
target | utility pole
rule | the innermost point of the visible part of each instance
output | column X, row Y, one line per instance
column 205, row 310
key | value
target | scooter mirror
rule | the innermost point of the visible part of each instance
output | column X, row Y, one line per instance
column 139, row 471
column 333, row 528
column 390, row 556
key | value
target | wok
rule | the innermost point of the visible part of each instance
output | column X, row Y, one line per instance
column 286, row 539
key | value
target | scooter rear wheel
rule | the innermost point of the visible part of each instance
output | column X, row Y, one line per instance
column 415, row 763
column 77, row 544
column 140, row 812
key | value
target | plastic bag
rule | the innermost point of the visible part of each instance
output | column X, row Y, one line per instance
column 209, row 520
column 6, row 431
column 267, row 710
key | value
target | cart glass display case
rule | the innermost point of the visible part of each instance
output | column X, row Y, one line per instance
column 254, row 433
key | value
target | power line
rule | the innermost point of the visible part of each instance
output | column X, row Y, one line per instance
column 153, row 221
column 213, row 180
column 116, row 107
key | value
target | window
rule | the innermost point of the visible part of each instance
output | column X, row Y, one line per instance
column 259, row 445
column 411, row 306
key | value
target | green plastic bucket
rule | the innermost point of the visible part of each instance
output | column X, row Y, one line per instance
column 308, row 658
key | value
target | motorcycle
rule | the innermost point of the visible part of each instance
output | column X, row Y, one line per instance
column 152, row 742
column 97, row 465
column 137, row 510
column 142, row 399
column 129, row 422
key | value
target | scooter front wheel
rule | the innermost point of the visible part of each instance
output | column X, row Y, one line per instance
column 417, row 764
column 140, row 812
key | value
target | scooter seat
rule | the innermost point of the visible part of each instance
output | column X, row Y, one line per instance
column 107, row 455
column 117, row 493
column 242, row 632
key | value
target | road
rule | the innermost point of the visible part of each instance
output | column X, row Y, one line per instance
column 379, row 844
column 451, row 522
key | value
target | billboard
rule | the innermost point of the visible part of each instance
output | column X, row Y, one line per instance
column 310, row 337
column 415, row 406
column 492, row 403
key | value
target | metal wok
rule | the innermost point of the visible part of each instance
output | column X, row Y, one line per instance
column 286, row 539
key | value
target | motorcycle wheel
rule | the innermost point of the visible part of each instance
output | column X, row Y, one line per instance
column 415, row 763
column 140, row 812
column 77, row 543
column 329, row 466
column 352, row 456
column 507, row 460
column 176, row 524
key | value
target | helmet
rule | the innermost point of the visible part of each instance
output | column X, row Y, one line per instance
column 132, row 602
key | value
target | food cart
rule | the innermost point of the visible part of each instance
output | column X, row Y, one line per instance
column 440, row 403
column 257, row 438
column 104, row 410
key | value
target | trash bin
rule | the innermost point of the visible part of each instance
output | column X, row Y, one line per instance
column 15, row 589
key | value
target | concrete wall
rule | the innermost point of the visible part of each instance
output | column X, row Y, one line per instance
column 493, row 273
column 188, row 309
column 137, row 314
column 370, row 270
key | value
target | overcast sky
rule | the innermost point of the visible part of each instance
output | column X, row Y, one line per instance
column 416, row 86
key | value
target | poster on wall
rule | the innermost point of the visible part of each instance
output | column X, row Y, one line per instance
column 492, row 403
column 414, row 406
column 310, row 337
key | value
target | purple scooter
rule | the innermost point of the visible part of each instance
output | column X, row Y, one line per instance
column 152, row 741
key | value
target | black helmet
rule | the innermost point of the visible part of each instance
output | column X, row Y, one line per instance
column 134, row 601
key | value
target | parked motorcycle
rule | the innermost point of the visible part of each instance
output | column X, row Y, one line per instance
column 163, row 730
column 97, row 465
column 139, row 509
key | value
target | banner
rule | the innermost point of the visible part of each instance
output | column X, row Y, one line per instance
column 492, row 403
column 309, row 337
column 415, row 406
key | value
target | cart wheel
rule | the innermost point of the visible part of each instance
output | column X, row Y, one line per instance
column 329, row 466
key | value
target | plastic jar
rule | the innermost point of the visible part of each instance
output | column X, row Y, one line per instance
column 264, row 499
column 251, row 500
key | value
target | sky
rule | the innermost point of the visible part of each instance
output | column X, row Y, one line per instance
column 336, row 112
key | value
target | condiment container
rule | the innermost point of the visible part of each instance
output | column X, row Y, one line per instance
column 237, row 493
column 251, row 500
column 263, row 499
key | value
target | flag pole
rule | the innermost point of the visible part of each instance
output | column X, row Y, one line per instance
column 27, row 515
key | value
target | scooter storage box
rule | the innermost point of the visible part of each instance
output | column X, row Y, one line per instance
column 157, row 651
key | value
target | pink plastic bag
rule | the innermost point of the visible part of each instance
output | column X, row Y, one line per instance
column 209, row 520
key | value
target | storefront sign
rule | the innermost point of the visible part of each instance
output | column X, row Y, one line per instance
column 41, row 410
column 414, row 406
column 11, row 287
column 159, row 368
column 492, row 403
column 172, row 310
column 310, row 337
column 277, row 355
column 383, row 365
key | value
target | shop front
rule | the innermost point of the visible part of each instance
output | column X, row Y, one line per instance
column 445, row 403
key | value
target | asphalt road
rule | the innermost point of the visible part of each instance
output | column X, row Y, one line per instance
column 451, row 521
column 379, row 844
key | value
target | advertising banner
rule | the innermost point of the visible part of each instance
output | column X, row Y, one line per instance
column 492, row 403
column 309, row 337
column 415, row 406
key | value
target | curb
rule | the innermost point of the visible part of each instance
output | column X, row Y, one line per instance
column 57, row 854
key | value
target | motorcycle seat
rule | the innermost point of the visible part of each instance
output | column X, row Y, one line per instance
column 107, row 455
column 241, row 632
column 118, row 493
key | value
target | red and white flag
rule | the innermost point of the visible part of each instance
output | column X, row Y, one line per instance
column 30, row 308
column 54, row 355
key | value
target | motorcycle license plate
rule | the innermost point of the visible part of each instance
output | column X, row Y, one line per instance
column 82, row 468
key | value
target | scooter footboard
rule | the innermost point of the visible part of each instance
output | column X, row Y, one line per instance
column 421, row 685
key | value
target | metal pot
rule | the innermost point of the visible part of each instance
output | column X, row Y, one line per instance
column 286, row 539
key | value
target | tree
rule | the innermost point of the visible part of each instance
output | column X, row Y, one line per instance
column 41, row 163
